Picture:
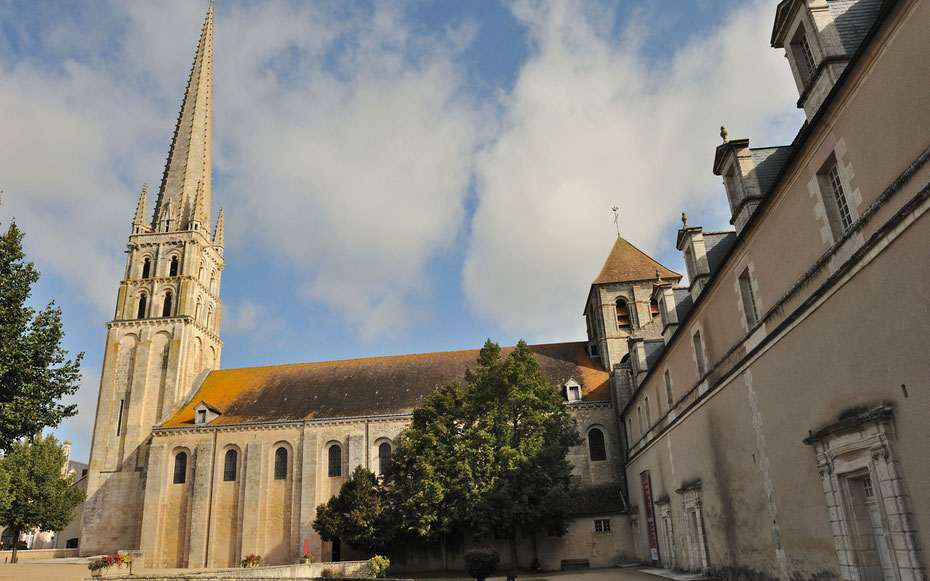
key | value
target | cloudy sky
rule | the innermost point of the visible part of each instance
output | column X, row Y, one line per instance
column 397, row 177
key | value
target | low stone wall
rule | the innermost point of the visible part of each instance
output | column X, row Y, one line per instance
column 29, row 554
column 349, row 569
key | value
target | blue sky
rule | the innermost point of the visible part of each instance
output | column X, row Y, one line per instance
column 396, row 177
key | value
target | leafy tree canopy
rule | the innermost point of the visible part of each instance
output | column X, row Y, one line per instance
column 39, row 495
column 358, row 515
column 34, row 370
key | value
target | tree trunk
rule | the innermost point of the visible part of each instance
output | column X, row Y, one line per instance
column 514, row 563
column 443, row 543
column 15, row 556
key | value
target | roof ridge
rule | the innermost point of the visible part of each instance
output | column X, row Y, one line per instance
column 378, row 357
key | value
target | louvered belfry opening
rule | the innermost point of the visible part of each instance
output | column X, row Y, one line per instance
column 623, row 315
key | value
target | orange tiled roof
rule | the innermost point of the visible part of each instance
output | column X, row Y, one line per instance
column 360, row 387
column 627, row 263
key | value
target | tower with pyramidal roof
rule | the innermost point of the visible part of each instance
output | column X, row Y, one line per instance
column 165, row 331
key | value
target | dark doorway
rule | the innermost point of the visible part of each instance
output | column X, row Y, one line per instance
column 336, row 551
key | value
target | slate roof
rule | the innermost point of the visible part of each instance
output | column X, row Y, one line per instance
column 627, row 263
column 683, row 302
column 606, row 499
column 853, row 19
column 362, row 387
column 716, row 244
column 653, row 348
column 768, row 162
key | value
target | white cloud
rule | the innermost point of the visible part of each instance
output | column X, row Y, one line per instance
column 256, row 320
column 591, row 123
column 355, row 173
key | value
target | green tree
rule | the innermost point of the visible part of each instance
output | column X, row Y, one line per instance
column 40, row 496
column 358, row 515
column 520, row 435
column 429, row 479
column 34, row 370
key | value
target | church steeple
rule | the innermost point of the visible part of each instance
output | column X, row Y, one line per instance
column 188, row 165
column 219, row 235
column 165, row 330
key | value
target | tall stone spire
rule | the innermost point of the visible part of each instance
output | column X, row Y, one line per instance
column 188, row 165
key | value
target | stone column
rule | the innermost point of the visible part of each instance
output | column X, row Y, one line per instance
column 252, row 505
column 201, row 503
column 150, row 543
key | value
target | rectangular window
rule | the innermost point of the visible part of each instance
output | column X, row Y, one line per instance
column 749, row 299
column 699, row 354
column 839, row 196
column 629, row 430
column 807, row 56
column 648, row 413
column 201, row 416
column 668, row 390
column 602, row 525
column 639, row 414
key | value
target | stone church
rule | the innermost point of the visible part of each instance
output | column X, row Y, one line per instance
column 767, row 420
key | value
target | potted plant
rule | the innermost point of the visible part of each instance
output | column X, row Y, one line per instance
column 307, row 558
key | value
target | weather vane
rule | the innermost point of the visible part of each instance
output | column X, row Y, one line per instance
column 617, row 219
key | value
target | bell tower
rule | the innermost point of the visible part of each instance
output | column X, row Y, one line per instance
column 165, row 331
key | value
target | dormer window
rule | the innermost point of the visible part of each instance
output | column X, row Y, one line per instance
column 572, row 390
column 804, row 55
column 205, row 413
column 654, row 309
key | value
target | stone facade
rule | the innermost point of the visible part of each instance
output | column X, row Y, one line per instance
column 786, row 440
column 767, row 421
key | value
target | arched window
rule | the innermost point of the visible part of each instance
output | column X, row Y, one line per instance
column 335, row 460
column 147, row 267
column 166, row 306
column 173, row 271
column 280, row 463
column 596, row 449
column 141, row 312
column 384, row 457
column 654, row 308
column 229, row 467
column 180, row 468
column 197, row 310
column 623, row 315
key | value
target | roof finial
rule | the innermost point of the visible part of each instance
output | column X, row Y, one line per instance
column 658, row 276
column 617, row 219
column 724, row 134
column 684, row 220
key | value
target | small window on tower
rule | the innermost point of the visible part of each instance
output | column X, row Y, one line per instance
column 140, row 314
column 654, row 308
column 623, row 315
column 173, row 271
column 166, row 306
column 147, row 267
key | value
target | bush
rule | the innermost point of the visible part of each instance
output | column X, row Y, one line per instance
column 339, row 574
column 481, row 563
column 378, row 565
column 251, row 561
column 326, row 573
